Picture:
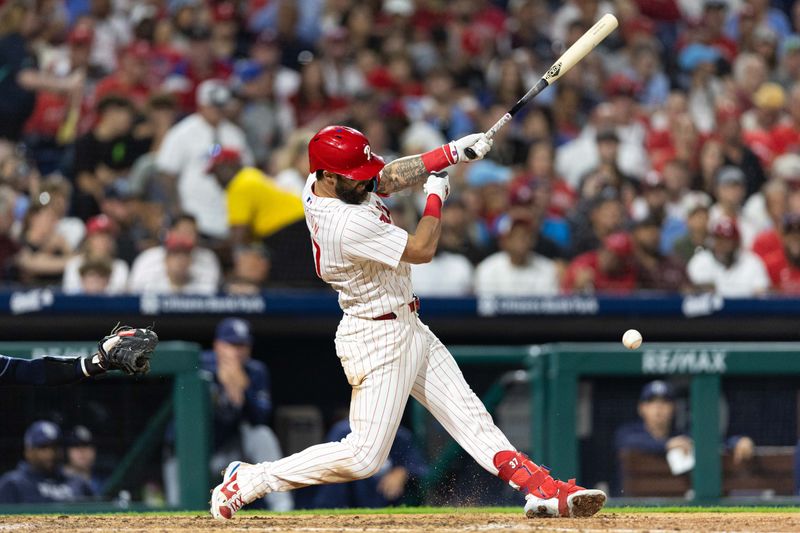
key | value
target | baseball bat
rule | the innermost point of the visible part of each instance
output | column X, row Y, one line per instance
column 594, row 35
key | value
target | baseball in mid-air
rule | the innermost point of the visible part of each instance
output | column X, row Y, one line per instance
column 632, row 339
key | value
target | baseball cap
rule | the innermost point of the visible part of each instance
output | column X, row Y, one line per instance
column 222, row 154
column 697, row 54
column 79, row 436
column 42, row 434
column 403, row 8
column 620, row 244
column 653, row 180
column 786, row 167
column 715, row 4
column 234, row 331
column 694, row 200
column 607, row 135
column 99, row 224
column 770, row 96
column 657, row 389
column 213, row 93
column 140, row 49
column 247, row 70
column 725, row 228
column 621, row 85
column 119, row 189
column 487, row 172
column 199, row 33
column 509, row 222
column 729, row 174
column 81, row 34
column 175, row 242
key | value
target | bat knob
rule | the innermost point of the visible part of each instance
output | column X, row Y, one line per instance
column 470, row 153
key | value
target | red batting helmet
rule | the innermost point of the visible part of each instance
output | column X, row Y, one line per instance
column 344, row 151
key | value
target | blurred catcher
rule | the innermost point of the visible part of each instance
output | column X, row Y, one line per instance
column 125, row 348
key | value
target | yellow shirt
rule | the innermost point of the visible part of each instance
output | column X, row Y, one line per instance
column 255, row 201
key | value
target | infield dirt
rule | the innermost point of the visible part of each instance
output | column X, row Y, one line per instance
column 620, row 522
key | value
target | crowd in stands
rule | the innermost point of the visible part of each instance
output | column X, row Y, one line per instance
column 668, row 160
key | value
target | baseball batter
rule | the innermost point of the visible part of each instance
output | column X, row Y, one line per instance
column 387, row 353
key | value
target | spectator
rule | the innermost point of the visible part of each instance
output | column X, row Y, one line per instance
column 39, row 478
column 94, row 277
column 516, row 270
column 767, row 207
column 81, row 457
column 251, row 266
column 595, row 220
column 184, row 154
column 99, row 250
column 696, row 205
column 242, row 407
column 783, row 264
column 726, row 268
column 161, row 113
column 104, row 154
column 761, row 124
column 22, row 77
column 609, row 269
column 730, row 195
column 607, row 173
column 404, row 466
column 149, row 271
column 132, row 80
column 653, row 270
column 44, row 252
column 735, row 152
column 267, row 121
column 197, row 67
column 55, row 192
column 258, row 210
column 137, row 225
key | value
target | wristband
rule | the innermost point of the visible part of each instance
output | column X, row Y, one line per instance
column 440, row 158
column 433, row 207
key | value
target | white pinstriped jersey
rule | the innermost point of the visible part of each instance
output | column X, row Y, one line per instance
column 357, row 251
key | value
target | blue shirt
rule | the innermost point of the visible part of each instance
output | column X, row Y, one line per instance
column 257, row 406
column 26, row 485
column 634, row 436
column 364, row 492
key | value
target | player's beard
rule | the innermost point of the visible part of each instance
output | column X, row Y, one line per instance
column 351, row 194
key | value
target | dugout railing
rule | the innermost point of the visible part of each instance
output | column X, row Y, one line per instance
column 188, row 405
column 554, row 372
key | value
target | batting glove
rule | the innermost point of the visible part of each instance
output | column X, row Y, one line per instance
column 479, row 143
column 438, row 183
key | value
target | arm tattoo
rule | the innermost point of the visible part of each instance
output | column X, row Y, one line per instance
column 401, row 174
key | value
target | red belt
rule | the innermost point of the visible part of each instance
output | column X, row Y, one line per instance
column 413, row 305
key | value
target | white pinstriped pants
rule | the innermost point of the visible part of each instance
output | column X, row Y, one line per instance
column 384, row 362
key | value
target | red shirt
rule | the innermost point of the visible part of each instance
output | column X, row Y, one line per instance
column 785, row 276
column 622, row 283
column 766, row 243
column 50, row 112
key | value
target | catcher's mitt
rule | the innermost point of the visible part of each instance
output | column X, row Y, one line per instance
column 128, row 349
